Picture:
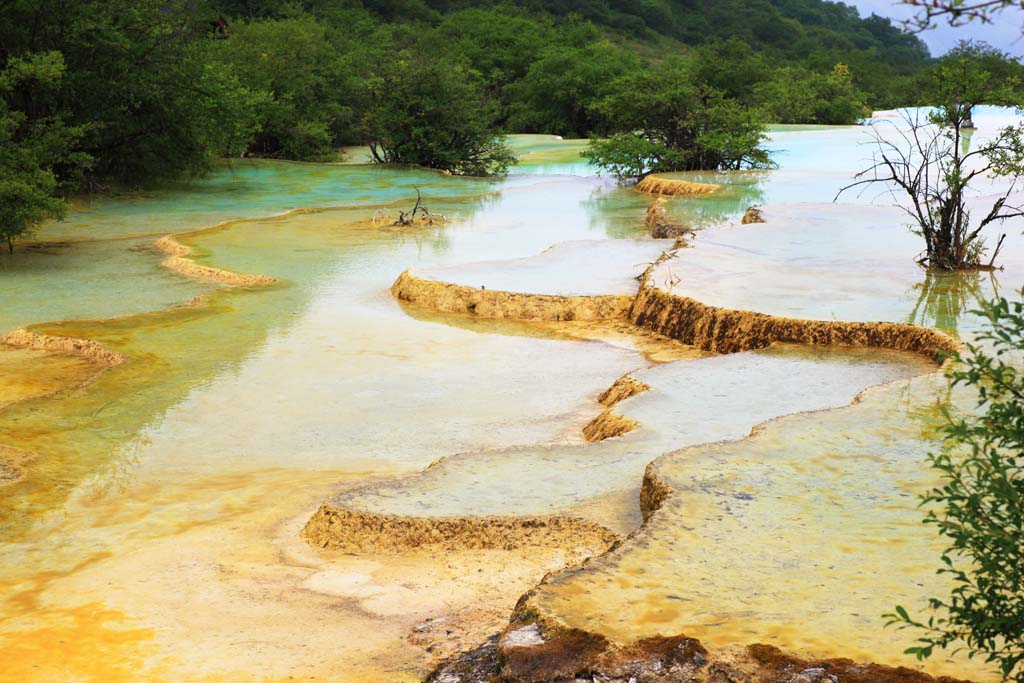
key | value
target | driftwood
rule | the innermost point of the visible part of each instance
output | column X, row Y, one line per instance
column 419, row 214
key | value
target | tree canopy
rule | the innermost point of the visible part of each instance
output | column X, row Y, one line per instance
column 433, row 113
column 156, row 89
column 662, row 119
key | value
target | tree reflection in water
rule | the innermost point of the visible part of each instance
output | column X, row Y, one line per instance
column 945, row 297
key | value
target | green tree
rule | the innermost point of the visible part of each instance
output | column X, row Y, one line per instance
column 971, row 74
column 732, row 67
column 434, row 113
column 559, row 92
column 979, row 507
column 797, row 95
column 312, row 85
column 499, row 43
column 661, row 120
column 30, row 148
column 137, row 85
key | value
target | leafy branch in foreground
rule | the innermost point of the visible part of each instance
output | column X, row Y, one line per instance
column 979, row 507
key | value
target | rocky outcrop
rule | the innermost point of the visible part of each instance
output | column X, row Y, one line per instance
column 724, row 330
column 498, row 305
column 653, row 492
column 560, row 655
column 365, row 532
column 654, row 184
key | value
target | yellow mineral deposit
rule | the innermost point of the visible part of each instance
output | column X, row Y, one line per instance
column 485, row 303
column 727, row 331
column 608, row 424
column 177, row 259
column 656, row 184
column 624, row 387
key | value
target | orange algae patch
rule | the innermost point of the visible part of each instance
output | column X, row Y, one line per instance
column 26, row 374
column 654, row 184
column 85, row 643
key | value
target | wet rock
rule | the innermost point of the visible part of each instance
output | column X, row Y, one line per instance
column 574, row 656
column 526, row 636
column 660, row 226
column 607, row 425
column 723, row 330
column 499, row 305
column 478, row 665
column 669, row 231
column 623, row 388
column 813, row 675
column 753, row 215
column 358, row 531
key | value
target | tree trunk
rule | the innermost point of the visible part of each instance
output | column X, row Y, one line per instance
column 968, row 120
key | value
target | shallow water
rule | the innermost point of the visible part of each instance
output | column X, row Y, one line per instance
column 165, row 497
column 800, row 537
column 88, row 280
column 689, row 402
column 576, row 268
column 850, row 257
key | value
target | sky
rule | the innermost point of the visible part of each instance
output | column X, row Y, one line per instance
column 1004, row 32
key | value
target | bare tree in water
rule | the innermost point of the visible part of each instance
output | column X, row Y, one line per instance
column 928, row 163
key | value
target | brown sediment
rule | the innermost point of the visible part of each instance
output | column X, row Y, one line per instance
column 753, row 215
column 607, row 425
column 364, row 532
column 85, row 348
column 177, row 260
column 654, row 184
column 11, row 461
column 772, row 661
column 623, row 388
column 556, row 654
column 498, row 305
column 724, row 330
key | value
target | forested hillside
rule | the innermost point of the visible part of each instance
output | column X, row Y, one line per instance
column 102, row 94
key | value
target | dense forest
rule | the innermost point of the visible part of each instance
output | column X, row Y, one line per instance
column 108, row 94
